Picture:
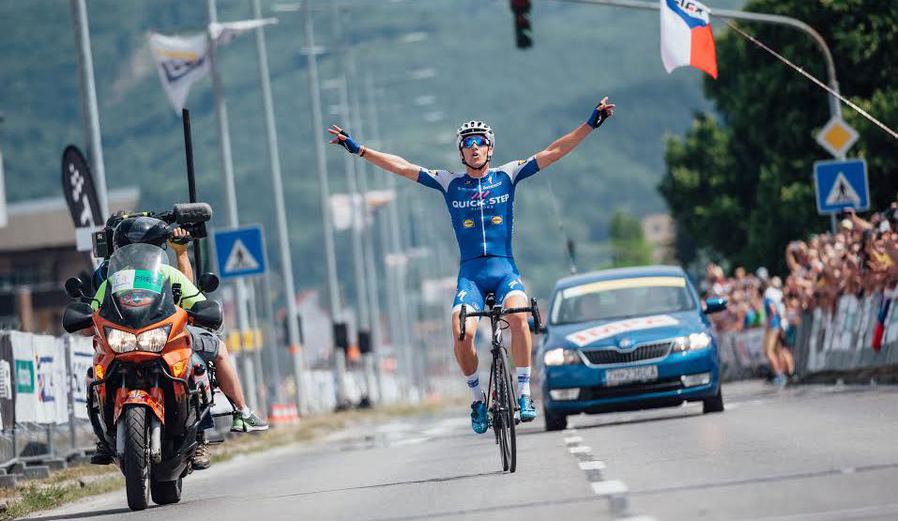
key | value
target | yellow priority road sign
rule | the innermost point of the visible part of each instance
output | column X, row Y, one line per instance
column 837, row 137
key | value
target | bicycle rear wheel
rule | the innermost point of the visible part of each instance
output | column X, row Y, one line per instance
column 503, row 413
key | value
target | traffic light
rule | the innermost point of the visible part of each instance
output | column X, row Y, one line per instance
column 521, row 10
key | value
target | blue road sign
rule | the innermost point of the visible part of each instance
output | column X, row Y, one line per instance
column 841, row 185
column 240, row 252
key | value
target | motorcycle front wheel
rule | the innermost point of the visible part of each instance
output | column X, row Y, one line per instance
column 136, row 458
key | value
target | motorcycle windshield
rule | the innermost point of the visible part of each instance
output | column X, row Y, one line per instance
column 137, row 291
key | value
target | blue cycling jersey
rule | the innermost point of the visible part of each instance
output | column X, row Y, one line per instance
column 482, row 209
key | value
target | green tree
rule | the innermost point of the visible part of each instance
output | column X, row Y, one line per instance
column 741, row 185
column 628, row 244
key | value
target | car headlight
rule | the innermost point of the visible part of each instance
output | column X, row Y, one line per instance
column 153, row 340
column 120, row 341
column 559, row 356
column 693, row 342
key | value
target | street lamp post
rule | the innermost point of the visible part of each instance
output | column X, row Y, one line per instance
column 357, row 221
column 221, row 112
column 835, row 110
column 324, row 195
column 89, row 102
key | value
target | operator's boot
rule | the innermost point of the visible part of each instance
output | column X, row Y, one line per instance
column 248, row 423
column 102, row 456
column 202, row 457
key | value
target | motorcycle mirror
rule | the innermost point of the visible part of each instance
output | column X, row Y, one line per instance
column 74, row 287
column 206, row 313
column 77, row 316
column 208, row 282
column 192, row 213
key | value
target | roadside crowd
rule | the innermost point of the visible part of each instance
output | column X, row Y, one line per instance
column 861, row 257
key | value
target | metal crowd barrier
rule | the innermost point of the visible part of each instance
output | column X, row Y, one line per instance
column 829, row 344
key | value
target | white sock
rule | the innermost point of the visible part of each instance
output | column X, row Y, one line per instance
column 474, row 386
column 523, row 381
column 246, row 412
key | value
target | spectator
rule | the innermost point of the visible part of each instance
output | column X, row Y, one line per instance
column 773, row 350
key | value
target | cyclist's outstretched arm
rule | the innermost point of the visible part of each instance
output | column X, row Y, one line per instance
column 561, row 146
column 388, row 162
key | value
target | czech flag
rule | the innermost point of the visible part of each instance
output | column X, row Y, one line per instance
column 686, row 37
column 880, row 328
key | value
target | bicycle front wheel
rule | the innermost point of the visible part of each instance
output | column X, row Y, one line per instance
column 503, row 414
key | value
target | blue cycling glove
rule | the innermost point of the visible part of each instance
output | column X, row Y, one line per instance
column 599, row 115
column 348, row 143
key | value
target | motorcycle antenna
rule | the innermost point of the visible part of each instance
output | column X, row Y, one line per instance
column 191, row 182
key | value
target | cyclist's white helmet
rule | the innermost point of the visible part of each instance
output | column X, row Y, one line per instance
column 474, row 128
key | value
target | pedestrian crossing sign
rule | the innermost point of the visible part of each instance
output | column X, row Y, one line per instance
column 240, row 252
column 841, row 185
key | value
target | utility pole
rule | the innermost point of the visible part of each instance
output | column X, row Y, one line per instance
column 221, row 113
column 396, row 286
column 370, row 319
column 357, row 220
column 89, row 102
column 324, row 194
column 281, row 217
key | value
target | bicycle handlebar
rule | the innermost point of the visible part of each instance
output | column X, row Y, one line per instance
column 498, row 311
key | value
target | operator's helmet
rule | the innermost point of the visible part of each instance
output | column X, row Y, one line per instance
column 141, row 230
column 475, row 128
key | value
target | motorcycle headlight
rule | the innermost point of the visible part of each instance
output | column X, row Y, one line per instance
column 153, row 340
column 559, row 356
column 120, row 341
column 693, row 342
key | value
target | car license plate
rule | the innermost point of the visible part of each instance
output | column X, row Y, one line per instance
column 625, row 375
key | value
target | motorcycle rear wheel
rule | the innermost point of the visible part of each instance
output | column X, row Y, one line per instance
column 136, row 460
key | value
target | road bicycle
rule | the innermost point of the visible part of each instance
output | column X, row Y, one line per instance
column 501, row 403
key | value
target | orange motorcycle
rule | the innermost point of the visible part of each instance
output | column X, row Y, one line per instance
column 147, row 390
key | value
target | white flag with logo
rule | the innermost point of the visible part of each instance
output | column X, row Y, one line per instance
column 180, row 61
column 223, row 33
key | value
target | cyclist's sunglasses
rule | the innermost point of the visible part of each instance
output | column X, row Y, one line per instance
column 470, row 141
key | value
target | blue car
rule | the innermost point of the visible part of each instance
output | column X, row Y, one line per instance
column 627, row 339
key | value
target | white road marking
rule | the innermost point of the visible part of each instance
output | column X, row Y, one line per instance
column 573, row 440
column 592, row 465
column 581, row 449
column 609, row 488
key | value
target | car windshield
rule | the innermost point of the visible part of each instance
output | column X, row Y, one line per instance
column 138, row 293
column 621, row 298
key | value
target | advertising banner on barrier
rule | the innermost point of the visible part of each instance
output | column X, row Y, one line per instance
column 7, row 388
column 25, row 376
column 81, row 355
column 52, row 395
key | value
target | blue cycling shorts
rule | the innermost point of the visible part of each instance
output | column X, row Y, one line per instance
column 482, row 275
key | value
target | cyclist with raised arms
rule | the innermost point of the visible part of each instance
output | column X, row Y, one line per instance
column 480, row 201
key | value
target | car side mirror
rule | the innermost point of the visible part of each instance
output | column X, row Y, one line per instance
column 74, row 287
column 77, row 316
column 714, row 305
column 206, row 313
column 208, row 282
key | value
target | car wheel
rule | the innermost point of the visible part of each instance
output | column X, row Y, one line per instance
column 713, row 404
column 554, row 421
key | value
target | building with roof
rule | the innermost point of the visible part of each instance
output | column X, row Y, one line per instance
column 37, row 254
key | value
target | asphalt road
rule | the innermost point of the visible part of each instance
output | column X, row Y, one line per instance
column 800, row 454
